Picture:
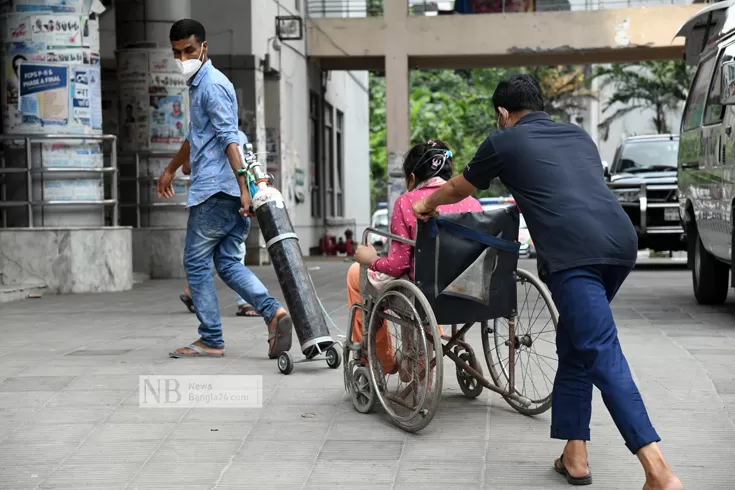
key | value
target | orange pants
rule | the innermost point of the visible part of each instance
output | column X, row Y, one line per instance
column 383, row 341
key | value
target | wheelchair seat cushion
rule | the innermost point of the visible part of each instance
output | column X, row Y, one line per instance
column 465, row 265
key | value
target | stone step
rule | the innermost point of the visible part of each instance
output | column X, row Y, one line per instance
column 17, row 292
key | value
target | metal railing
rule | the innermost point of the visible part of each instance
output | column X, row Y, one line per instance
column 374, row 8
column 135, row 158
column 26, row 141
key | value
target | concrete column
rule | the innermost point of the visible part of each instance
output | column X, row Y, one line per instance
column 149, row 84
column 149, row 21
column 397, row 95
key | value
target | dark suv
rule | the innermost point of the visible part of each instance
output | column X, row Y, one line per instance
column 643, row 177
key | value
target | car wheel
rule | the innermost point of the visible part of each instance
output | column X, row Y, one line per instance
column 710, row 277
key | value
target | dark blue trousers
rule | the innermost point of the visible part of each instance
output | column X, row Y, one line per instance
column 590, row 354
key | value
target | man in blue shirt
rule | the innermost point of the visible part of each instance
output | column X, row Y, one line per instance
column 586, row 247
column 218, row 201
column 243, row 308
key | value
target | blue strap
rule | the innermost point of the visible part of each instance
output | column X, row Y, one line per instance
column 470, row 234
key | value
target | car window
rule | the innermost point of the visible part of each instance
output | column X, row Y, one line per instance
column 715, row 112
column 697, row 98
column 648, row 155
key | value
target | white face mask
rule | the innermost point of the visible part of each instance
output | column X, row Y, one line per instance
column 189, row 67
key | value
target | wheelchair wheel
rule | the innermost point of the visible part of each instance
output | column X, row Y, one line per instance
column 534, row 343
column 361, row 391
column 467, row 383
column 403, row 341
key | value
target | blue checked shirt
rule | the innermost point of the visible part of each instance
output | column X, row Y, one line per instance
column 213, row 127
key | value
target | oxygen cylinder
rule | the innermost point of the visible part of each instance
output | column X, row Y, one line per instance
column 285, row 252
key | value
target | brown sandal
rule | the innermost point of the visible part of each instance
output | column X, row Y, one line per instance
column 283, row 335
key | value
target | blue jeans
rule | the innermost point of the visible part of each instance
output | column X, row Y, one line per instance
column 215, row 232
column 238, row 300
column 589, row 354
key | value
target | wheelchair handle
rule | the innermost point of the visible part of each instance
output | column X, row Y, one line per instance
column 385, row 234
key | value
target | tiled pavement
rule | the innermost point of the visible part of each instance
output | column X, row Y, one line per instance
column 70, row 419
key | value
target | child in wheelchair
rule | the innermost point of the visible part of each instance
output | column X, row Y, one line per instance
column 426, row 167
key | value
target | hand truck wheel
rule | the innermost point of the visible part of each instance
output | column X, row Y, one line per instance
column 285, row 363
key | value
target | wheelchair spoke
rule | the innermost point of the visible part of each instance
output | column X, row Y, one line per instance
column 402, row 353
column 533, row 353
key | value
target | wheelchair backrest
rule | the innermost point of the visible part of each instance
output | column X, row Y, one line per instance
column 465, row 265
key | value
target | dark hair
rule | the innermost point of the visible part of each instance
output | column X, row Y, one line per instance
column 519, row 93
column 426, row 160
column 18, row 57
column 185, row 28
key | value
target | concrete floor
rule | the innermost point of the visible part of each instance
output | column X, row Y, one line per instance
column 69, row 414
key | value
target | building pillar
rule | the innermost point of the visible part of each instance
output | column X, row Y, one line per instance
column 153, row 120
column 397, row 99
column 148, row 21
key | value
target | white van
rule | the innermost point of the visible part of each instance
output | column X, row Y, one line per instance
column 706, row 158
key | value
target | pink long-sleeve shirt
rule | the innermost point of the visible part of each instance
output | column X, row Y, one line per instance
column 400, row 258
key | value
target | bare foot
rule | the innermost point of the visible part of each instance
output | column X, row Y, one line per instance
column 658, row 474
column 575, row 459
column 672, row 483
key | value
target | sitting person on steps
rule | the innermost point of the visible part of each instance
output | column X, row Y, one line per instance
column 427, row 166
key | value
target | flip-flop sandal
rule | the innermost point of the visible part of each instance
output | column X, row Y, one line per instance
column 572, row 480
column 283, row 335
column 249, row 311
column 188, row 302
column 198, row 352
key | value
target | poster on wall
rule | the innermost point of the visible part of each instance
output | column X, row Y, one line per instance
column 95, row 98
column 168, row 103
column 72, row 154
column 52, row 6
column 167, row 119
column 57, row 31
column 90, row 34
column 80, row 100
column 132, row 68
column 44, row 94
column 134, row 120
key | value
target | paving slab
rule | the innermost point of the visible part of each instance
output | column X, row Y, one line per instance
column 70, row 415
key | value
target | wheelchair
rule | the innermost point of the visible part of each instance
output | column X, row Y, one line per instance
column 465, row 273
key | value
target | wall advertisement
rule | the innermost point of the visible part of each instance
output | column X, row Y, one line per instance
column 51, row 84
column 154, row 101
column 61, row 42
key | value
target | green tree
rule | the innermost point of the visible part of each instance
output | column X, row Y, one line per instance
column 564, row 89
column 455, row 106
column 658, row 85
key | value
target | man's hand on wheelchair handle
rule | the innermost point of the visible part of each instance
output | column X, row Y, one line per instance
column 422, row 210
column 366, row 254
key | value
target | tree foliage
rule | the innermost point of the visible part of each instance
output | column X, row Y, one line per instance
column 658, row 85
column 456, row 106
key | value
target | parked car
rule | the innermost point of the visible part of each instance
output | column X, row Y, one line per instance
column 379, row 221
column 524, row 237
column 707, row 151
column 643, row 177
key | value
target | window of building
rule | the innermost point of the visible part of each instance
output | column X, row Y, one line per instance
column 314, row 164
column 698, row 96
column 329, row 157
column 339, row 185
